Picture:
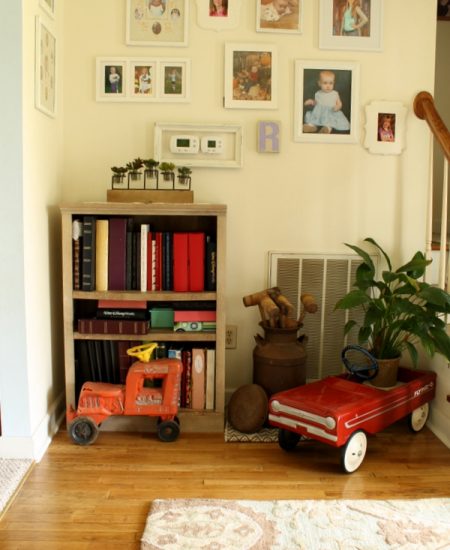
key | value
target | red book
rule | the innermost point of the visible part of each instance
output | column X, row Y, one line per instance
column 196, row 248
column 122, row 304
column 117, row 253
column 149, row 261
column 189, row 316
column 158, row 260
column 112, row 326
column 180, row 262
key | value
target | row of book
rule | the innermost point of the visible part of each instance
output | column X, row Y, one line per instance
column 118, row 254
column 107, row 361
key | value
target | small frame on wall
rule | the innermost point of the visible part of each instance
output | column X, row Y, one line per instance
column 45, row 67
column 385, row 127
column 218, row 15
column 143, row 79
column 326, row 101
column 157, row 22
column 250, row 76
column 48, row 6
column 351, row 25
column 285, row 16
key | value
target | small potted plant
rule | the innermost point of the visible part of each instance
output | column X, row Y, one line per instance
column 167, row 170
column 151, row 174
column 134, row 172
column 184, row 177
column 118, row 176
column 400, row 311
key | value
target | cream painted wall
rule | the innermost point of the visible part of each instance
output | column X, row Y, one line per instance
column 309, row 197
column 38, row 376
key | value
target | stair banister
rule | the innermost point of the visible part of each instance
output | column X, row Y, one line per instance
column 424, row 108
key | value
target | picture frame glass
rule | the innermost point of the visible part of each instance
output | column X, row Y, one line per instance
column 326, row 105
column 45, row 76
column 385, row 127
column 218, row 15
column 144, row 79
column 157, row 22
column 250, row 76
column 279, row 16
column 351, row 25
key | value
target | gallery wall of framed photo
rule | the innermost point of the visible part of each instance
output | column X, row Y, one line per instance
column 325, row 91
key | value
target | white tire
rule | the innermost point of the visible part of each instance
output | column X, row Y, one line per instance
column 354, row 451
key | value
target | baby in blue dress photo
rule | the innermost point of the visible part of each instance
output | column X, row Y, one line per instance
column 326, row 114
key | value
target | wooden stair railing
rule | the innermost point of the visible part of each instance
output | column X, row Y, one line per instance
column 424, row 108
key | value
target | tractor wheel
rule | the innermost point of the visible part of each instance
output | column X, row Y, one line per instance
column 83, row 430
column 287, row 440
column 168, row 431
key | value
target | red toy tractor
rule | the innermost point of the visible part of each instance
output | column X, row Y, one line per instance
column 152, row 388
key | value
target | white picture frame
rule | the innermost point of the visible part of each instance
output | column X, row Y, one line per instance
column 385, row 127
column 143, row 79
column 48, row 6
column 325, row 123
column 367, row 37
column 227, row 20
column 250, row 79
column 45, row 68
column 289, row 21
column 166, row 25
column 230, row 134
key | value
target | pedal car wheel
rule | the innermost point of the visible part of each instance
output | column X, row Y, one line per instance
column 353, row 452
column 418, row 418
column 168, row 431
column 83, row 431
column 287, row 440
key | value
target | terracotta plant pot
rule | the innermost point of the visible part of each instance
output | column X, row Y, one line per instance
column 387, row 373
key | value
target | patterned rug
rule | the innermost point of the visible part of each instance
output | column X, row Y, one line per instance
column 265, row 435
column 12, row 474
column 182, row 524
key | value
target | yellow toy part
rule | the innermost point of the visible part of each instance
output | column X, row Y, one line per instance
column 143, row 352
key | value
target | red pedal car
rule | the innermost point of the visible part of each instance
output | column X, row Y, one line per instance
column 340, row 410
column 152, row 388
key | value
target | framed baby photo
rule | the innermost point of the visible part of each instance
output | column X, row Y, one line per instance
column 219, row 15
column 250, row 79
column 385, row 127
column 351, row 25
column 48, row 6
column 45, row 69
column 285, row 16
column 111, row 79
column 157, row 22
column 175, row 80
column 326, row 101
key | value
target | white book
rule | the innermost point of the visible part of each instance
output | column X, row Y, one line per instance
column 145, row 227
column 210, row 378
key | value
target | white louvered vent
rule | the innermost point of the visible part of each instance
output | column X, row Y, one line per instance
column 328, row 278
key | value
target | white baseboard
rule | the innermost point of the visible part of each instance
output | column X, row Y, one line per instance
column 35, row 446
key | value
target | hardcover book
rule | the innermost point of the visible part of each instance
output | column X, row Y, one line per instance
column 198, row 378
column 180, row 262
column 196, row 246
column 111, row 326
column 117, row 248
column 101, row 254
column 88, row 254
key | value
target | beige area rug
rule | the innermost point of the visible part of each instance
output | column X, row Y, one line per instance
column 214, row 524
column 265, row 435
column 12, row 473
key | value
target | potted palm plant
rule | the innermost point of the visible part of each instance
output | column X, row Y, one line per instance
column 167, row 170
column 184, row 176
column 118, row 176
column 151, row 174
column 400, row 311
column 134, row 173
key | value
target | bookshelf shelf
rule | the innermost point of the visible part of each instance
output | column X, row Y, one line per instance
column 207, row 218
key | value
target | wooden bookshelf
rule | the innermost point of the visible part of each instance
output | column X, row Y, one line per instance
column 169, row 217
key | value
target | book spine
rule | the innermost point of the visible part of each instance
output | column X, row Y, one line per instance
column 111, row 326
column 210, row 264
column 77, row 231
column 88, row 254
column 210, row 378
column 144, row 253
column 117, row 253
column 180, row 262
column 196, row 244
column 167, row 261
column 101, row 254
column 198, row 378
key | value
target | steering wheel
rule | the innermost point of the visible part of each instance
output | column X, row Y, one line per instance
column 363, row 371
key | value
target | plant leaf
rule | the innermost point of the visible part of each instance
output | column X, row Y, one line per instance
column 386, row 257
column 353, row 299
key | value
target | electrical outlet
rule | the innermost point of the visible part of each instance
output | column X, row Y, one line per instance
column 230, row 336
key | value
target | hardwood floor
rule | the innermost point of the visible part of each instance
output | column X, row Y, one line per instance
column 98, row 497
